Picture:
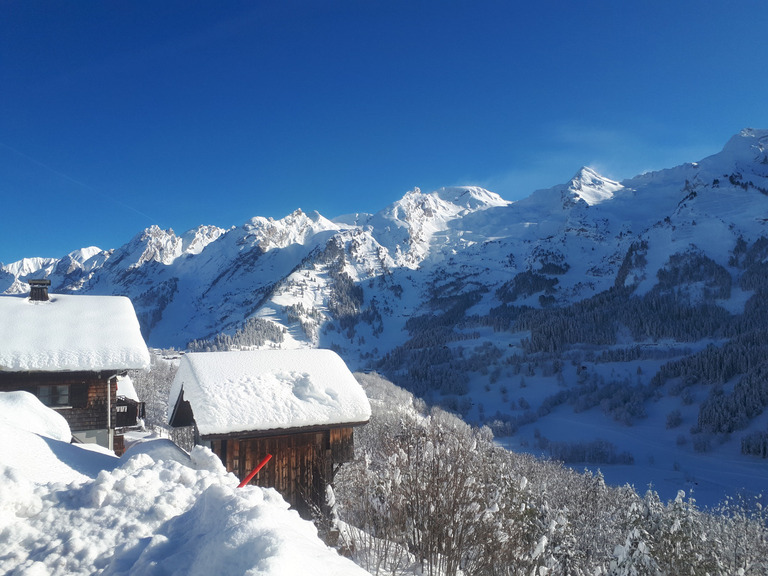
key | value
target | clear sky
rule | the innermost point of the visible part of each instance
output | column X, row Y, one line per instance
column 118, row 115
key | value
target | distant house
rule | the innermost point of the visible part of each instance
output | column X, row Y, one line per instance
column 68, row 351
column 300, row 406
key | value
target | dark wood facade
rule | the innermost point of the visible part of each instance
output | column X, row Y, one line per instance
column 128, row 412
column 80, row 397
column 302, row 466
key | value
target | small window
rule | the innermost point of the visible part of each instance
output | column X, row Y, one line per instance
column 55, row 396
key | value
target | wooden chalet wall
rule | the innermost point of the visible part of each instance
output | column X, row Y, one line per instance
column 127, row 413
column 87, row 408
column 302, row 463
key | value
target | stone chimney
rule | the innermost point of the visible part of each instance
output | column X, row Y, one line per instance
column 38, row 290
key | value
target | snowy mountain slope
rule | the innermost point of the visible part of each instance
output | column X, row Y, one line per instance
column 557, row 246
column 458, row 293
column 575, row 236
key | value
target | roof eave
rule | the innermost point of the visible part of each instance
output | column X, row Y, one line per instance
column 281, row 431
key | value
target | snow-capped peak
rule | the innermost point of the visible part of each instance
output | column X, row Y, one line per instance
column 470, row 198
column 407, row 227
column 295, row 228
column 84, row 259
column 27, row 266
column 592, row 187
column 195, row 240
column 84, row 254
column 442, row 205
column 416, row 208
column 749, row 144
column 152, row 245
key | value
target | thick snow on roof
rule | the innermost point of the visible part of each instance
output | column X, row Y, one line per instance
column 70, row 333
column 268, row 389
column 126, row 389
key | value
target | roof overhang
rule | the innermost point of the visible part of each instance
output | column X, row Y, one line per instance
column 280, row 431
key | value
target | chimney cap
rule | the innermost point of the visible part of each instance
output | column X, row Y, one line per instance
column 38, row 289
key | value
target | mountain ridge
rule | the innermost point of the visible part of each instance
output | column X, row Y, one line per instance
column 589, row 213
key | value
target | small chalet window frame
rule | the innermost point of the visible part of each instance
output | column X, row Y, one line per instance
column 56, row 396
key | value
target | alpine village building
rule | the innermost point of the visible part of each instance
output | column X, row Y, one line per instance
column 69, row 350
column 298, row 406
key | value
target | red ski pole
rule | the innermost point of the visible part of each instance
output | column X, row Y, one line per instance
column 255, row 471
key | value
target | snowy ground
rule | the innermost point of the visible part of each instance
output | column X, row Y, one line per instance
column 659, row 462
column 67, row 510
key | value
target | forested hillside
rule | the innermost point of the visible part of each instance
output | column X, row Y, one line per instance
column 429, row 493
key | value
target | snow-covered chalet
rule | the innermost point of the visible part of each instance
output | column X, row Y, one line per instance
column 299, row 406
column 69, row 352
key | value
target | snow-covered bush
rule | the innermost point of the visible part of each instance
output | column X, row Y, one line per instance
column 428, row 494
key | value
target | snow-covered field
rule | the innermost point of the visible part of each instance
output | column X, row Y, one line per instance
column 66, row 510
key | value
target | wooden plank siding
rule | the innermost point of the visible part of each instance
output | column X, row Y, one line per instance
column 301, row 467
column 127, row 413
column 342, row 445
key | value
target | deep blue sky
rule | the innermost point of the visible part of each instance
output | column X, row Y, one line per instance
column 118, row 115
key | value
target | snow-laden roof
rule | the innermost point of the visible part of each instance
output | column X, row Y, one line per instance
column 126, row 389
column 267, row 390
column 70, row 333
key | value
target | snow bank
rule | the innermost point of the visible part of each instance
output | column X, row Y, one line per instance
column 42, row 460
column 34, row 445
column 268, row 389
column 24, row 410
column 151, row 517
column 70, row 333
column 159, row 449
column 68, row 511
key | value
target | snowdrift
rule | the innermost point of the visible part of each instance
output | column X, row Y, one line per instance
column 143, row 515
